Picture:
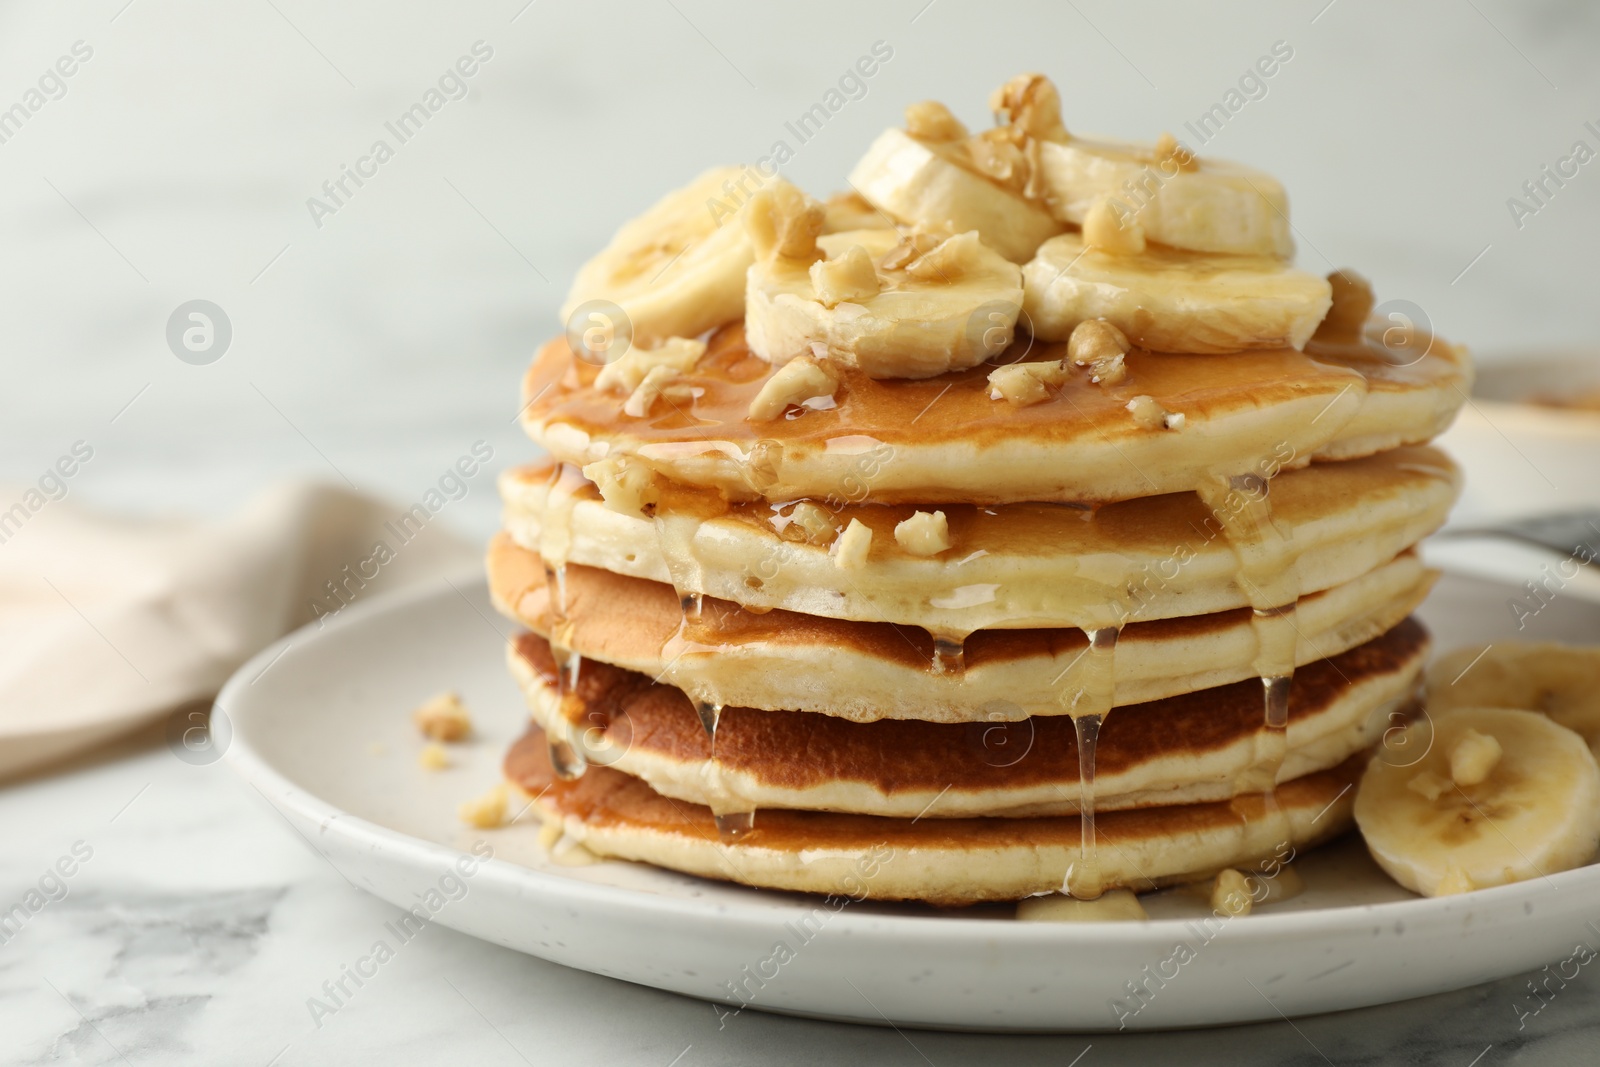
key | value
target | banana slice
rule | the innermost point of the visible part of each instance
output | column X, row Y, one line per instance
column 896, row 307
column 928, row 183
column 1562, row 681
column 678, row 270
column 1501, row 796
column 1172, row 301
column 1204, row 205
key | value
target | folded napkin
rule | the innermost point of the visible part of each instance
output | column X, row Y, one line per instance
column 108, row 623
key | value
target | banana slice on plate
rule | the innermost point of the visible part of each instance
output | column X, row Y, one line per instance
column 1172, row 301
column 1562, row 681
column 1501, row 796
column 678, row 270
column 893, row 305
column 1204, row 205
column 925, row 177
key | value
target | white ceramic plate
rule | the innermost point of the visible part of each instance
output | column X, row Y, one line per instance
column 321, row 729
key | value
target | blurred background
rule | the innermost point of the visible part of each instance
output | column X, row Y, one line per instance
column 374, row 344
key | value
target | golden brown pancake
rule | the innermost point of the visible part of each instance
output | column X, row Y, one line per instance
column 1017, row 566
column 944, row 439
column 864, row 670
column 1202, row 746
column 941, row 861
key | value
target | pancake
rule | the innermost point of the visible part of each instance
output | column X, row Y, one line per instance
column 1018, row 566
column 864, row 671
column 943, row 438
column 941, row 861
column 1204, row 746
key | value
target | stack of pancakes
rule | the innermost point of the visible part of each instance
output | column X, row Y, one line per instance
column 918, row 642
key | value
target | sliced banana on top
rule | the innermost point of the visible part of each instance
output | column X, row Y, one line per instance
column 678, row 270
column 1172, row 301
column 1501, row 796
column 896, row 306
column 1562, row 681
column 932, row 184
column 1204, row 205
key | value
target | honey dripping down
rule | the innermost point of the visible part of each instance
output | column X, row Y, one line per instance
column 1089, row 696
column 1241, row 505
column 691, row 642
column 949, row 653
column 555, row 542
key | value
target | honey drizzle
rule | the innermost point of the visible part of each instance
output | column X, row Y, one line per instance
column 949, row 652
column 683, row 650
column 1088, row 702
column 1242, row 507
column 555, row 541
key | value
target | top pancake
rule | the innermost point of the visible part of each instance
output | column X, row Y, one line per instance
column 943, row 439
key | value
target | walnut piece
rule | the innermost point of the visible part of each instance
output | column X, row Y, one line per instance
column 784, row 223
column 1031, row 105
column 950, row 259
column 624, row 375
column 849, row 277
column 1169, row 148
column 433, row 757
column 1112, row 229
column 812, row 523
column 1230, row 893
column 1100, row 346
column 932, row 121
column 656, row 384
column 1152, row 416
column 443, row 718
column 850, row 550
column 625, row 484
column 1023, row 384
column 802, row 378
column 924, row 534
column 487, row 811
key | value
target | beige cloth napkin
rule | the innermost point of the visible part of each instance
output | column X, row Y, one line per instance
column 108, row 623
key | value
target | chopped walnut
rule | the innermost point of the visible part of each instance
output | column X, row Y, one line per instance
column 1352, row 304
column 1024, row 383
column 1152, row 416
column 783, row 223
column 624, row 375
column 851, row 548
column 1111, row 228
column 1474, row 758
column 999, row 154
column 923, row 534
column 656, row 384
column 443, row 718
column 811, row 522
column 625, row 484
column 912, row 246
column 1031, row 105
column 1100, row 346
column 932, row 121
column 487, row 811
column 798, row 380
column 1230, row 893
column 850, row 277
column 433, row 757
column 949, row 260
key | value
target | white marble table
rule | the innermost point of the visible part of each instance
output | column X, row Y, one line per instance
column 374, row 348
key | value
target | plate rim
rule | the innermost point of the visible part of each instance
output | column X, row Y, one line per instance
column 280, row 790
